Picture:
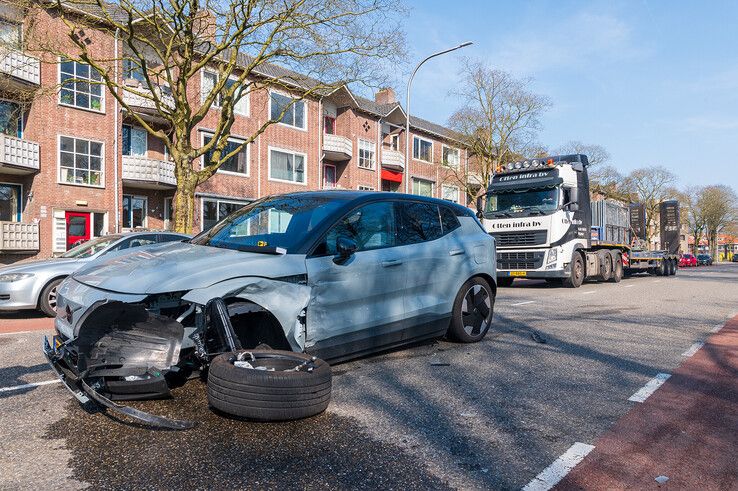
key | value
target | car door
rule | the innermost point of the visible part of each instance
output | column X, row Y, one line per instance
column 357, row 305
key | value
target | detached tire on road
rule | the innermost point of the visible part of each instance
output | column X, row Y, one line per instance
column 269, row 395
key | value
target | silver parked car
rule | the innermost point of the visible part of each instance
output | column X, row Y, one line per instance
column 33, row 284
column 335, row 274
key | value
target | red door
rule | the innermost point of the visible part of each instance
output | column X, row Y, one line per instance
column 78, row 228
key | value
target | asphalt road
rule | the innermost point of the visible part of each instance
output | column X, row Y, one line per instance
column 435, row 416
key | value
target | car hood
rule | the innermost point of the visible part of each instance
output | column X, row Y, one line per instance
column 55, row 264
column 181, row 266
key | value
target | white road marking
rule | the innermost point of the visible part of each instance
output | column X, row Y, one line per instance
column 522, row 303
column 551, row 475
column 628, row 286
column 657, row 281
column 589, row 292
column 649, row 388
column 716, row 328
column 694, row 348
column 29, row 386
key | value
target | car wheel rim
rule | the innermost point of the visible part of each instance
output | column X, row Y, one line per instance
column 476, row 310
column 51, row 300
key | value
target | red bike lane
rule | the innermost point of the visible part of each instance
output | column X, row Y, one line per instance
column 686, row 431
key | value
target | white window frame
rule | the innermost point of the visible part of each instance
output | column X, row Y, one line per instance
column 204, row 134
column 458, row 153
column 418, row 179
column 146, row 133
column 416, row 137
column 59, row 95
column 166, row 216
column 291, row 152
column 373, row 160
column 335, row 174
column 394, row 143
column 145, row 223
column 363, row 187
column 217, row 104
column 218, row 201
column 285, row 94
column 455, row 188
column 59, row 167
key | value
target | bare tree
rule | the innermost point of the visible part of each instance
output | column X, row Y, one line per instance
column 607, row 181
column 718, row 207
column 691, row 212
column 249, row 45
column 498, row 120
column 650, row 186
column 596, row 154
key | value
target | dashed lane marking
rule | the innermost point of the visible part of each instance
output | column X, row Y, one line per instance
column 628, row 286
column 29, row 386
column 693, row 349
column 551, row 475
column 522, row 303
column 589, row 292
column 650, row 387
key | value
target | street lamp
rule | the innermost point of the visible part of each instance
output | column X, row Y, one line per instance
column 407, row 108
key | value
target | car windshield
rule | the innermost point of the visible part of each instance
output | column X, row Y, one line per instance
column 91, row 247
column 531, row 201
column 263, row 226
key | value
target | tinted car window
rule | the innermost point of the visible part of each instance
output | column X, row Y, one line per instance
column 372, row 227
column 418, row 222
column 170, row 238
column 448, row 220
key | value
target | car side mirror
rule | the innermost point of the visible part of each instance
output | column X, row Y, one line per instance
column 346, row 248
column 573, row 206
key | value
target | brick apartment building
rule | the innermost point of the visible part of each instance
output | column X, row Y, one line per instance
column 73, row 165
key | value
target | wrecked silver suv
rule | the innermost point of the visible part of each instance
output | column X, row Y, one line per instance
column 332, row 274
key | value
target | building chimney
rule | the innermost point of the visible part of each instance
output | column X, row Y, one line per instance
column 385, row 96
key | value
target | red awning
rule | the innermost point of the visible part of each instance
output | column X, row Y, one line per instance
column 390, row 175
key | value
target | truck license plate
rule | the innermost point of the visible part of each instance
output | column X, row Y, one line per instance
column 518, row 273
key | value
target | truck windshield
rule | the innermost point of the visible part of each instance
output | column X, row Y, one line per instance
column 536, row 201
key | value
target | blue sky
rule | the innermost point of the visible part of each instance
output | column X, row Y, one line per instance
column 654, row 82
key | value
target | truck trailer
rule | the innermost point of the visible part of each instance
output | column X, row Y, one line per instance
column 546, row 226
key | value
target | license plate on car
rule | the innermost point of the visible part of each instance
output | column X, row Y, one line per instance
column 56, row 342
column 518, row 273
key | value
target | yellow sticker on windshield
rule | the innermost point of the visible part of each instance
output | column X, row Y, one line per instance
column 261, row 243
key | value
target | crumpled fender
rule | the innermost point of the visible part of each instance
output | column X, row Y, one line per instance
column 285, row 300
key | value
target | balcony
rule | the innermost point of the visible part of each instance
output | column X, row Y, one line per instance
column 337, row 148
column 18, row 156
column 22, row 72
column 143, row 105
column 144, row 173
column 18, row 237
column 392, row 159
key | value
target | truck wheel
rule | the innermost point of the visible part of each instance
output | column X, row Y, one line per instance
column 505, row 281
column 660, row 270
column 272, row 390
column 472, row 314
column 47, row 299
column 617, row 267
column 576, row 278
column 674, row 267
column 605, row 259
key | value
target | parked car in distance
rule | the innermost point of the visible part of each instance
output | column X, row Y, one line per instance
column 734, row 258
column 333, row 274
column 33, row 284
column 687, row 261
column 704, row 260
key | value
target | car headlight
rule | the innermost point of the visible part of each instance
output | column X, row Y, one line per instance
column 11, row 277
column 552, row 256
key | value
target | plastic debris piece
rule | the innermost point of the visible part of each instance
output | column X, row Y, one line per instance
column 661, row 479
column 243, row 364
column 440, row 364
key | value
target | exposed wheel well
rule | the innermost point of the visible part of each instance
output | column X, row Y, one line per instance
column 255, row 325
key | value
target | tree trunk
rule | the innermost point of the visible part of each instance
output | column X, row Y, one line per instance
column 184, row 205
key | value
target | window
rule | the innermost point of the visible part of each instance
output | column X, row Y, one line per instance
column 418, row 222
column 366, row 154
column 422, row 149
column 394, row 142
column 365, row 188
column 329, row 125
column 81, row 86
column 10, row 202
column 134, row 211
column 451, row 156
column 287, row 166
column 372, row 227
column 240, row 95
column 11, row 34
column 214, row 210
column 448, row 220
column 421, row 187
column 209, row 79
column 294, row 111
column 11, row 119
column 329, row 176
column 132, row 70
column 450, row 193
column 80, row 161
column 134, row 141
column 238, row 163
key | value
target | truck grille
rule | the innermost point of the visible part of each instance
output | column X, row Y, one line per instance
column 515, row 239
column 519, row 260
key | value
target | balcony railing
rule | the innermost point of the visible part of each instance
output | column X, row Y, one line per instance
column 138, row 99
column 337, row 147
column 393, row 159
column 18, row 156
column 20, row 65
column 150, row 173
column 17, row 237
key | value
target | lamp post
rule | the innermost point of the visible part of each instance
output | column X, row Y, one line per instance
column 407, row 108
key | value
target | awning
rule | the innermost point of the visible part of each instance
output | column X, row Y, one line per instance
column 390, row 175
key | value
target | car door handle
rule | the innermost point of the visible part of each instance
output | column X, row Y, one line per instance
column 456, row 252
column 391, row 262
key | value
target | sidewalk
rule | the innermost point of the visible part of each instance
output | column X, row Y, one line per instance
column 687, row 430
column 26, row 320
